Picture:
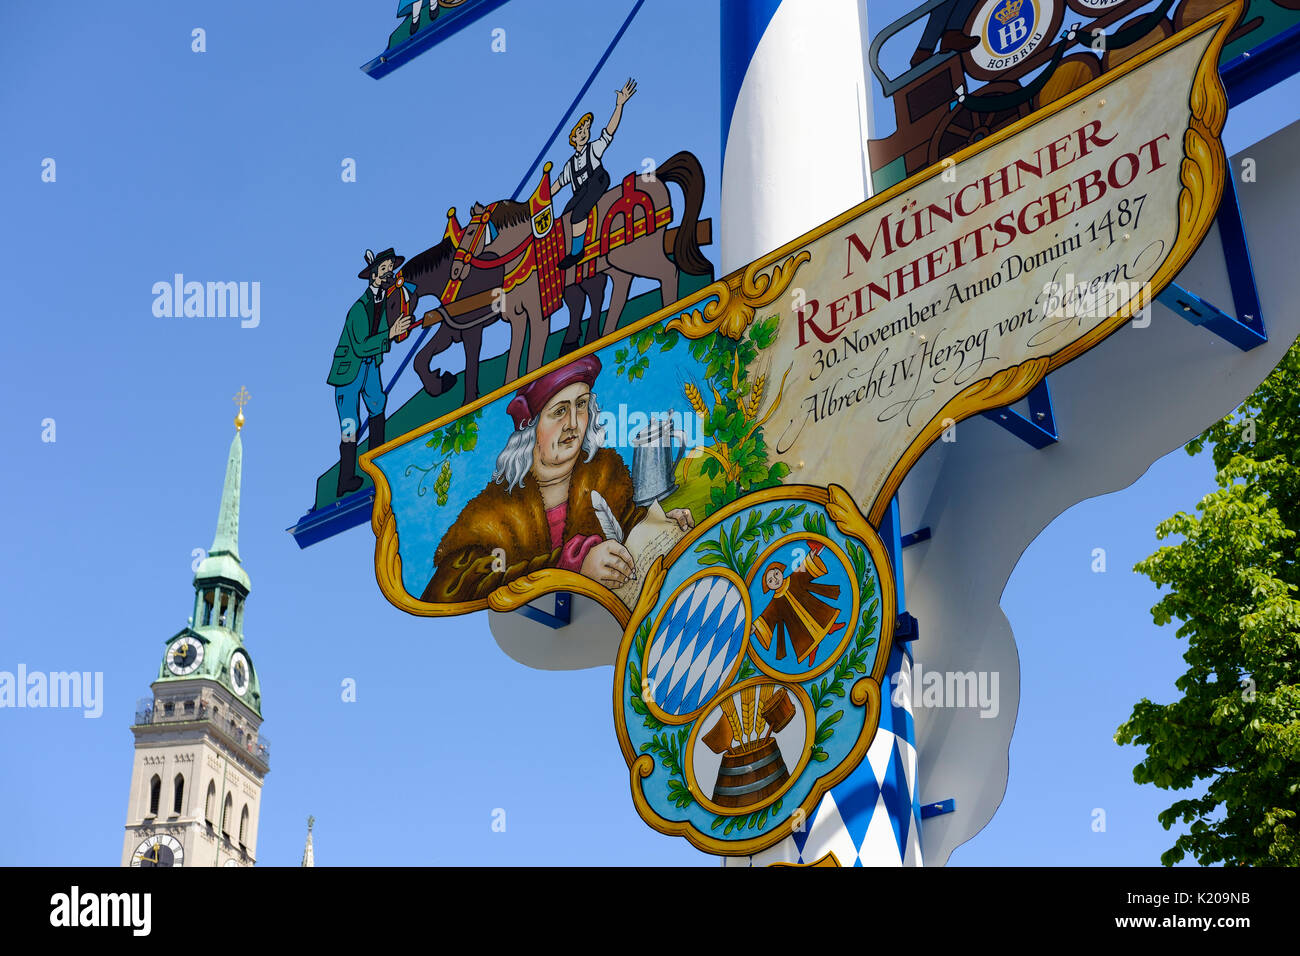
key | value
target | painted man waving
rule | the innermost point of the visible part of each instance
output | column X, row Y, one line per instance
column 585, row 173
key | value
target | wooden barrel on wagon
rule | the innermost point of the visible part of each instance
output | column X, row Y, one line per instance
column 749, row 774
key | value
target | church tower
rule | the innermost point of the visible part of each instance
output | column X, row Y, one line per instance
column 200, row 756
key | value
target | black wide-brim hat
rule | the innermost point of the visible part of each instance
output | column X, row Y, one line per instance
column 373, row 260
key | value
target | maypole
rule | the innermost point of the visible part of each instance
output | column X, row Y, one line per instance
column 796, row 117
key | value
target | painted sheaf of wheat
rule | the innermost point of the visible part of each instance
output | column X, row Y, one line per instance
column 697, row 401
column 729, row 708
column 764, row 695
column 748, row 697
column 755, row 397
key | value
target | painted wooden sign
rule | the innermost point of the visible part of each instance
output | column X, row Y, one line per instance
column 714, row 474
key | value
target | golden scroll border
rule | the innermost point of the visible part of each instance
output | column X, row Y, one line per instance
column 865, row 691
column 729, row 305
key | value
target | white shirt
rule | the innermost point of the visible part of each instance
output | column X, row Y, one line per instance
column 578, row 161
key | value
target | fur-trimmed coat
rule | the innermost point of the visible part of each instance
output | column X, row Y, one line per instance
column 515, row 522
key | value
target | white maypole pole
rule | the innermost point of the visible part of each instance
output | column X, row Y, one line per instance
column 796, row 117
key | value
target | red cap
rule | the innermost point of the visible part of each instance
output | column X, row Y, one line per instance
column 532, row 398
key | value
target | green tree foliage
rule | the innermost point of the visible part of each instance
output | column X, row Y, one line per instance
column 1233, row 580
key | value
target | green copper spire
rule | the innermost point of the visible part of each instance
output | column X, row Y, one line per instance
column 221, row 590
column 222, row 562
column 226, row 540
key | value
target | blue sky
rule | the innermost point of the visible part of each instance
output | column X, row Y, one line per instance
column 225, row 166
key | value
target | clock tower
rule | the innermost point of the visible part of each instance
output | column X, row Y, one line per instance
column 200, row 756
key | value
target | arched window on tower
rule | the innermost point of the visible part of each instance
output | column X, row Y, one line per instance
column 210, row 804
column 178, row 793
column 155, row 793
column 243, row 827
column 225, row 816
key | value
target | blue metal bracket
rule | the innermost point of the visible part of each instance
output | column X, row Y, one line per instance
column 906, row 629
column 916, row 537
column 1247, row 331
column 1039, row 429
column 563, row 612
column 929, row 810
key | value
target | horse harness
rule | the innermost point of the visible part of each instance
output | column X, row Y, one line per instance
column 397, row 288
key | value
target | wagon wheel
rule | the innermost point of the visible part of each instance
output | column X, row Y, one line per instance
column 963, row 126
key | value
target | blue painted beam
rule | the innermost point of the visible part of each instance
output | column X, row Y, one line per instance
column 1039, row 429
column 348, row 512
column 1236, row 255
column 892, row 537
column 450, row 20
column 1266, row 65
column 905, row 626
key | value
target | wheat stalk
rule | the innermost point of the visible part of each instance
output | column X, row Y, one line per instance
column 755, row 396
column 697, row 401
column 765, row 694
column 729, row 708
column 747, row 697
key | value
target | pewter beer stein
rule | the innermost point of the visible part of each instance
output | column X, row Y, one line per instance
column 654, row 464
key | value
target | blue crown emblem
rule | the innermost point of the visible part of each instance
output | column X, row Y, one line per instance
column 1011, row 26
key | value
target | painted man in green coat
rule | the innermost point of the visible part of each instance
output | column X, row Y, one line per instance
column 355, row 372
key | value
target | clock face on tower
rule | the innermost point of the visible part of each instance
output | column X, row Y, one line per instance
column 159, row 851
column 184, row 656
column 239, row 671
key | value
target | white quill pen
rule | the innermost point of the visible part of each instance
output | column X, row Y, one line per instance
column 605, row 515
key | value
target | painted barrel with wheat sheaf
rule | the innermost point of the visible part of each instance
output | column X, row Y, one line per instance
column 750, row 773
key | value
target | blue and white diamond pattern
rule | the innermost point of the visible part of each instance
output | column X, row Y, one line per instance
column 697, row 644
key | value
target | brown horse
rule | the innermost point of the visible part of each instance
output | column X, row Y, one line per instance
column 428, row 273
column 643, row 256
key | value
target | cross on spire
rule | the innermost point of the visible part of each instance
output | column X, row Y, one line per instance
column 241, row 399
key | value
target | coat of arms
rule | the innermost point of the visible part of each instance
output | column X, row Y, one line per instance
column 748, row 680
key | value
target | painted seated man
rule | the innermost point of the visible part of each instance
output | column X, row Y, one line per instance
column 796, row 609
column 537, row 511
